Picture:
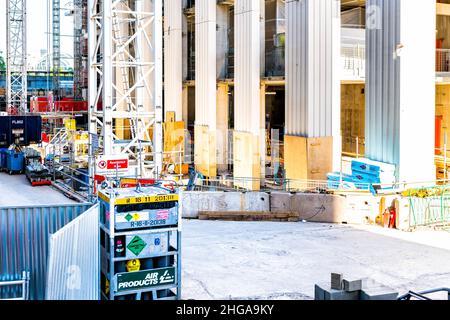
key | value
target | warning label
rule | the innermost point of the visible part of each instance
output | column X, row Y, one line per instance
column 137, row 245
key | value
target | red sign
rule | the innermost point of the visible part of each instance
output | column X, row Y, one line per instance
column 117, row 164
column 102, row 164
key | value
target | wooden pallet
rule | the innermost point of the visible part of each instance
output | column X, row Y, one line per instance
column 249, row 216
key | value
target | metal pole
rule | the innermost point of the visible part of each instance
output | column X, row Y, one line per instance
column 445, row 155
column 357, row 147
column 158, row 89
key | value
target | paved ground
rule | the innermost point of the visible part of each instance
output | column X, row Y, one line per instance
column 223, row 260
column 16, row 191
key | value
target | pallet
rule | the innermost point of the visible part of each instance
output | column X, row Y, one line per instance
column 249, row 216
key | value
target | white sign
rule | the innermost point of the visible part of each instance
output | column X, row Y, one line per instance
column 112, row 165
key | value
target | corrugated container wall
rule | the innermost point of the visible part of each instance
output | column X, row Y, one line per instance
column 24, row 240
column 313, row 68
column 247, row 66
column 173, row 57
column 205, row 63
column 74, row 267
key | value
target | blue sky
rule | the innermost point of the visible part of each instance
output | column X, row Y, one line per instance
column 37, row 28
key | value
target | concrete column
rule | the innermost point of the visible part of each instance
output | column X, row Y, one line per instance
column 247, row 134
column 205, row 87
column 400, row 86
column 262, row 130
column 122, row 126
column 173, row 58
column 185, row 107
column 312, row 141
column 262, row 35
column 222, row 40
column 222, row 127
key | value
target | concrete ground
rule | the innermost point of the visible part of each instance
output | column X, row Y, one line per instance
column 15, row 190
column 229, row 260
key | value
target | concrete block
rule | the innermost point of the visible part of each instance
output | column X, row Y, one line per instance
column 256, row 201
column 280, row 202
column 324, row 292
column 352, row 285
column 403, row 214
column 322, row 208
column 336, row 281
column 319, row 293
column 193, row 202
column 360, row 210
column 376, row 291
column 371, row 294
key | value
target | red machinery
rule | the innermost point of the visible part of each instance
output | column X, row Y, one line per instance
column 41, row 105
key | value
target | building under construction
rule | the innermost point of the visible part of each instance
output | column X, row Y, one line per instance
column 329, row 111
column 192, row 95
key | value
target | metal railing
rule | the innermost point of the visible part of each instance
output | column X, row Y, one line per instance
column 429, row 206
column 411, row 295
column 281, row 185
column 275, row 62
column 11, row 293
column 353, row 59
column 442, row 61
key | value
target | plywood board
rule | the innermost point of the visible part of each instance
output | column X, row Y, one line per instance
column 174, row 140
column 320, row 158
column 246, row 156
column 353, row 118
column 296, row 158
column 308, row 158
column 170, row 116
column 205, row 151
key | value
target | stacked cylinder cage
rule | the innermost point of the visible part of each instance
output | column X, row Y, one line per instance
column 140, row 244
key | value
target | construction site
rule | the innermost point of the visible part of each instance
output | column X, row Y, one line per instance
column 224, row 150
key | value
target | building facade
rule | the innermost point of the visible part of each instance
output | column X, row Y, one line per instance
column 289, row 86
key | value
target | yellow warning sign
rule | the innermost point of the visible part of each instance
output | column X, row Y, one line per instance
column 107, row 286
column 134, row 265
column 152, row 199
column 138, row 200
column 103, row 197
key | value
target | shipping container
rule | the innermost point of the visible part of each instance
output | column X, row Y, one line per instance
column 23, row 130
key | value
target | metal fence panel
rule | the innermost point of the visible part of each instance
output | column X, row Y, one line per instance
column 429, row 211
column 73, row 265
column 24, row 241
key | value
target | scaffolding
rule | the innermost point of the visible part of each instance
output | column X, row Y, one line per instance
column 56, row 37
column 125, row 84
column 80, row 49
column 16, row 57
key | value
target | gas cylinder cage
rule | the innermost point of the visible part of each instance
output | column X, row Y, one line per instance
column 140, row 244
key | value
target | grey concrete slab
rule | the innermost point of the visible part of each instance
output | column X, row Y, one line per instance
column 266, row 260
column 15, row 190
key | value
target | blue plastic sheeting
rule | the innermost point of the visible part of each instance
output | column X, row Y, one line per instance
column 24, row 240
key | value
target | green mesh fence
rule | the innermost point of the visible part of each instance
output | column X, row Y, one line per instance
column 429, row 207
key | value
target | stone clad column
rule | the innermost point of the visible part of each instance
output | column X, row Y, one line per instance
column 400, row 86
column 173, row 58
column 205, row 87
column 247, row 114
column 313, row 137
